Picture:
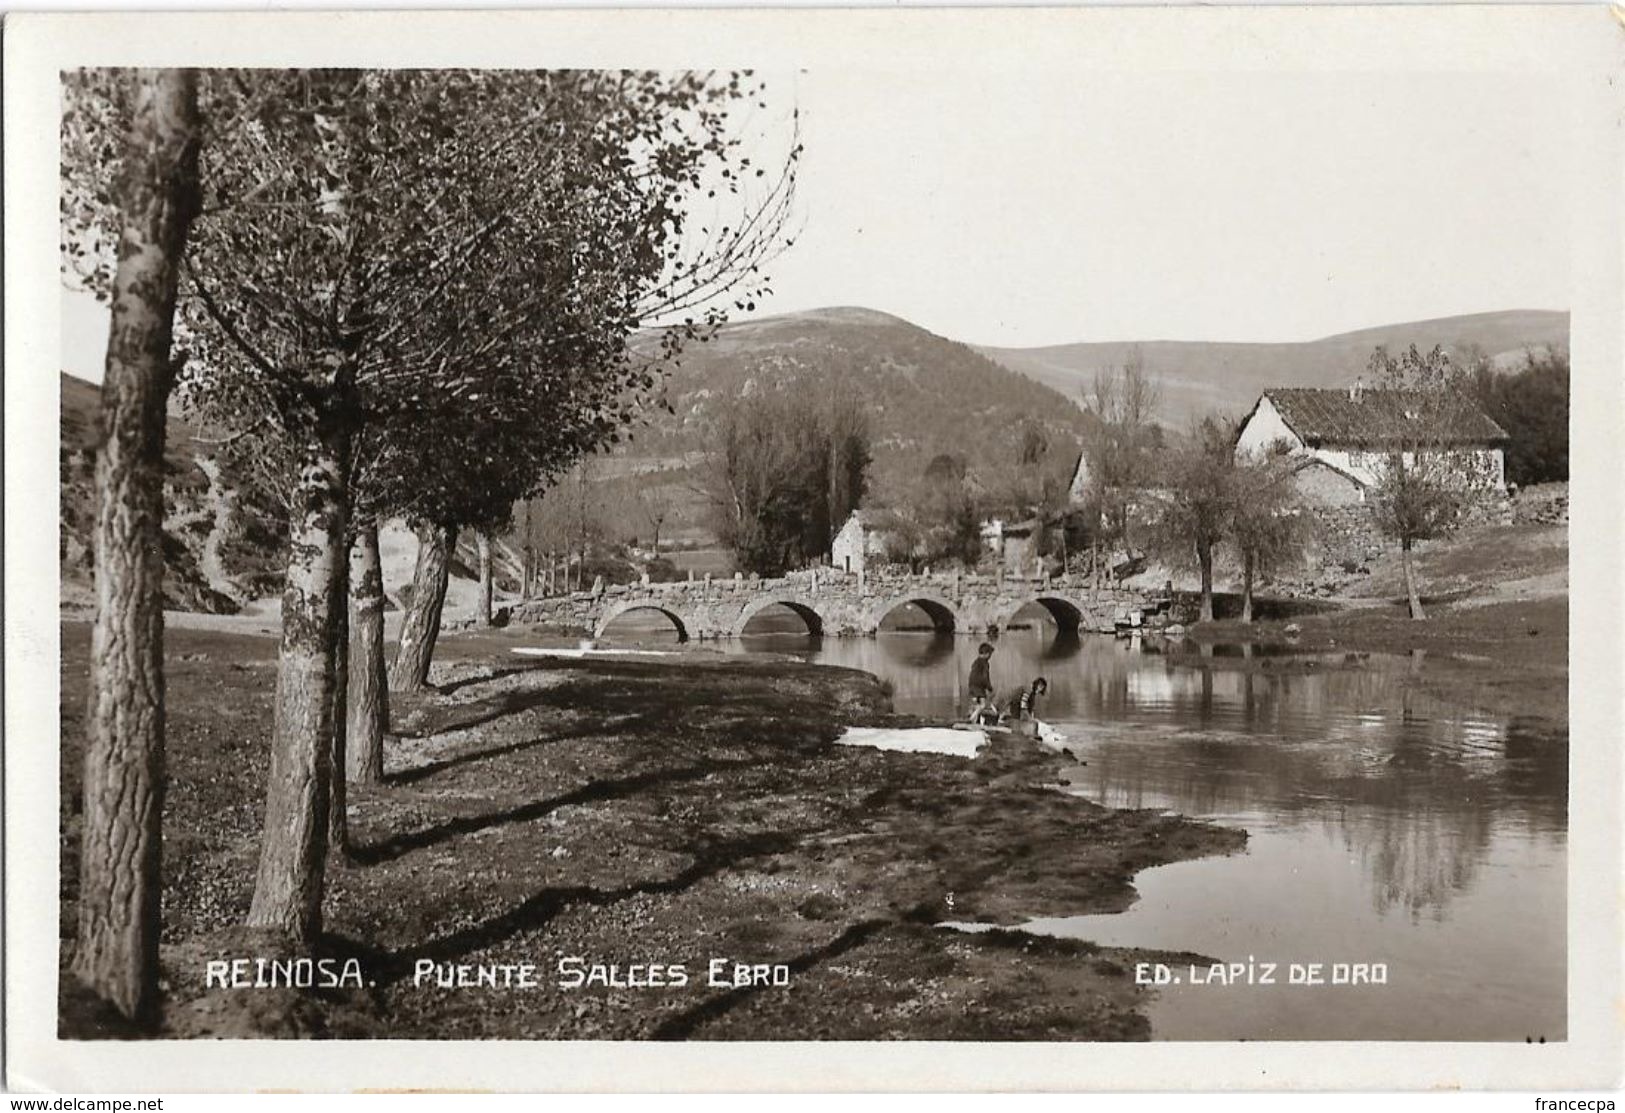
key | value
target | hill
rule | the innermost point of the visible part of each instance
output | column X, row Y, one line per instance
column 1199, row 377
column 924, row 394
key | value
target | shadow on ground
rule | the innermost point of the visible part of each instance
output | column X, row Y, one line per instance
column 608, row 816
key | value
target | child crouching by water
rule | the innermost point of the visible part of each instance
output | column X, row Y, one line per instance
column 1024, row 704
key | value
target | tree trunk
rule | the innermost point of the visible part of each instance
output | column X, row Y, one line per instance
column 288, row 890
column 368, row 697
column 421, row 625
column 1247, row 586
column 1204, row 558
column 527, row 571
column 1412, row 596
column 482, row 611
column 120, row 867
column 338, row 827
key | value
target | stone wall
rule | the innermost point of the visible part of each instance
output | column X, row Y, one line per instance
column 1321, row 485
column 1343, row 537
column 1344, row 541
column 1544, row 504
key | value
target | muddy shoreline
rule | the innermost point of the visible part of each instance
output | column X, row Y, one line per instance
column 612, row 813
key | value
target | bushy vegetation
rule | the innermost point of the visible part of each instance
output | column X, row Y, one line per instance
column 785, row 470
column 1532, row 405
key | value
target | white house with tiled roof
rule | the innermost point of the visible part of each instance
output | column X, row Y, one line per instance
column 1343, row 436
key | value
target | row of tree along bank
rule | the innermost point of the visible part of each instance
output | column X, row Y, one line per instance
column 601, row 808
column 396, row 299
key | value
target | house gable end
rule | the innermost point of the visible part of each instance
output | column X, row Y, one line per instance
column 1263, row 426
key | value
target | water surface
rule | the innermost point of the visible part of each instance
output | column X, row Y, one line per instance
column 1385, row 827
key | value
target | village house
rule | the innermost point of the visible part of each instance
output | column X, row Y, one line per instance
column 860, row 541
column 1343, row 436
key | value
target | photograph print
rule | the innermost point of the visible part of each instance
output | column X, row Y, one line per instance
column 826, row 553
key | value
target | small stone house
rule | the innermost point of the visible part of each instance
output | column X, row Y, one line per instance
column 1342, row 437
column 859, row 542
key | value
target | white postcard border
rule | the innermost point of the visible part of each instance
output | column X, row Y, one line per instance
column 1579, row 48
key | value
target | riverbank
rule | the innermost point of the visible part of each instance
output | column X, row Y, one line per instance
column 1496, row 636
column 1506, row 656
column 583, row 817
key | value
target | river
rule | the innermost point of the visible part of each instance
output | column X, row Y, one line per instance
column 1385, row 829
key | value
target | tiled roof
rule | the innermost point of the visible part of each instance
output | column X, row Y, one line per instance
column 1372, row 417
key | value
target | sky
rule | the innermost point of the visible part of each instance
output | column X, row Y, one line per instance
column 1030, row 208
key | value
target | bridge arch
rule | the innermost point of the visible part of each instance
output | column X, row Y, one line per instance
column 942, row 613
column 628, row 605
column 1069, row 614
column 803, row 609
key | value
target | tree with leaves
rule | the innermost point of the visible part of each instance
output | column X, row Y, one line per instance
column 130, row 166
column 1531, row 403
column 1196, row 513
column 1121, row 448
column 1430, row 470
column 946, row 506
column 786, row 470
column 848, row 459
column 417, row 290
column 1266, row 522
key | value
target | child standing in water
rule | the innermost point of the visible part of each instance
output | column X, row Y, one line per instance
column 981, row 683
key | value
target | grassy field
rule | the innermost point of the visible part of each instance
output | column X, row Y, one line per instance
column 627, row 812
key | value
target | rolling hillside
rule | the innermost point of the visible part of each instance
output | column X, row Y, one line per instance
column 924, row 394
column 1198, row 377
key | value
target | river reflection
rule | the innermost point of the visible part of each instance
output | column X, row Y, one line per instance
column 1385, row 827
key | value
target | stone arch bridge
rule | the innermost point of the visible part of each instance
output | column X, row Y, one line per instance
column 835, row 604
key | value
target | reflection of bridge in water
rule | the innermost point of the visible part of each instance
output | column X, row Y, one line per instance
column 834, row 603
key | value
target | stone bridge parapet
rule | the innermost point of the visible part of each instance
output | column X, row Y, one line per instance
column 835, row 603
